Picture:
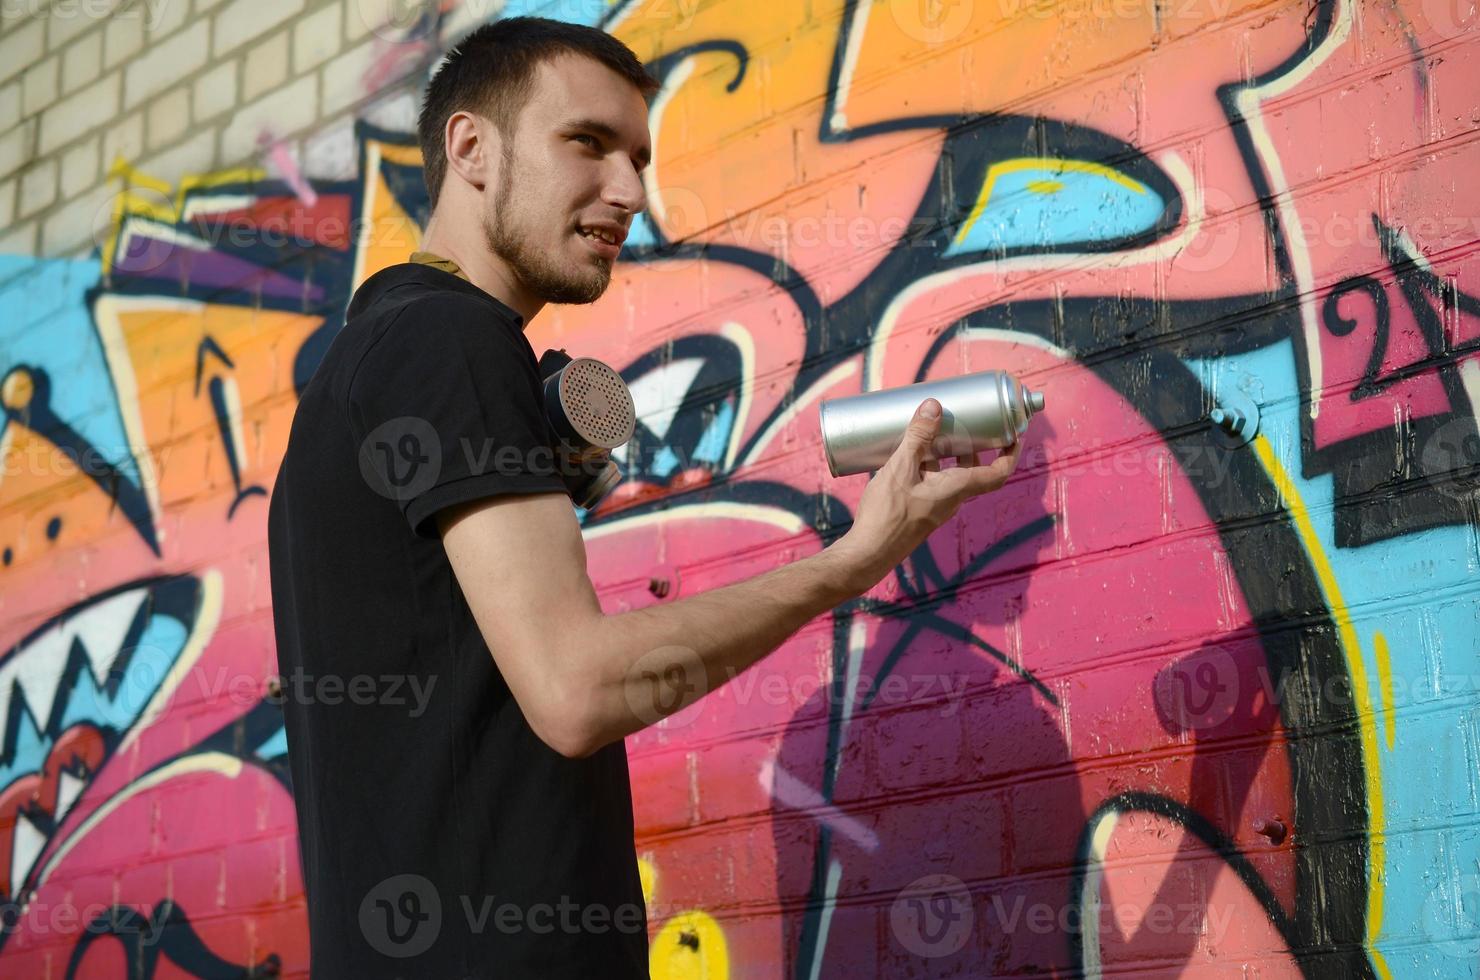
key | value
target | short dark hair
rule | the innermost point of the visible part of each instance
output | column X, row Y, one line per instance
column 491, row 72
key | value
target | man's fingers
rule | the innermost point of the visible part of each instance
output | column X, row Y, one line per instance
column 931, row 465
column 919, row 438
column 992, row 475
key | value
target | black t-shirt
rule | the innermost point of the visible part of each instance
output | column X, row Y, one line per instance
column 441, row 838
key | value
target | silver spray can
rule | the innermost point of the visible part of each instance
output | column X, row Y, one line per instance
column 985, row 410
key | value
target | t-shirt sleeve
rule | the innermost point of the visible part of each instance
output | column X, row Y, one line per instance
column 447, row 406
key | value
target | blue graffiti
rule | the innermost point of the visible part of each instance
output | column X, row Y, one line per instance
column 1038, row 203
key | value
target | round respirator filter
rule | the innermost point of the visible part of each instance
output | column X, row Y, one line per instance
column 594, row 403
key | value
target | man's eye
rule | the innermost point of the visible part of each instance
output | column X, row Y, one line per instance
column 583, row 138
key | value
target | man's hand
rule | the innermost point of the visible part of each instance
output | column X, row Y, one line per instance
column 585, row 679
column 911, row 496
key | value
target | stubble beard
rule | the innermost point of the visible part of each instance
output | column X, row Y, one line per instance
column 531, row 267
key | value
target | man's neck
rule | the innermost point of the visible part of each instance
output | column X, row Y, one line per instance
column 481, row 267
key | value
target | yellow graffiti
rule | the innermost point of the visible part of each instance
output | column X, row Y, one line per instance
column 1351, row 648
column 649, row 876
column 148, row 197
column 18, row 390
column 690, row 946
column 1385, row 685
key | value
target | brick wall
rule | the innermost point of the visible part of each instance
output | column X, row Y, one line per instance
column 1173, row 702
column 168, row 87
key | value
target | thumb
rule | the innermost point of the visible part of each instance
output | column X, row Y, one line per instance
column 923, row 428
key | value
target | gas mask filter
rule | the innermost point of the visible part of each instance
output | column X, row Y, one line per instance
column 590, row 410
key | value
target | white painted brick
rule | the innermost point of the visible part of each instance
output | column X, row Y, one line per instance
column 316, row 38
column 169, row 117
column 82, row 62
column 165, row 64
column 283, row 113
column 393, row 110
column 19, row 241
column 293, row 150
column 266, row 67
column 363, row 16
column 84, row 221
column 39, row 85
column 460, row 20
column 15, row 147
column 166, row 17
column 242, row 20
column 201, row 6
column 332, row 152
column 125, row 141
column 344, row 78
column 22, row 47
column 7, row 202
column 10, row 105
column 80, row 112
column 80, row 167
column 65, row 21
column 38, row 188
column 215, row 91
column 124, row 36
column 196, row 155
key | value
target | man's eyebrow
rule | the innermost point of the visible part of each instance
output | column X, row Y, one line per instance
column 596, row 127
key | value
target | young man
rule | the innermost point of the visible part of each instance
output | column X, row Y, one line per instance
column 456, row 700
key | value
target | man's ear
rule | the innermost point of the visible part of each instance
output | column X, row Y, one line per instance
column 471, row 150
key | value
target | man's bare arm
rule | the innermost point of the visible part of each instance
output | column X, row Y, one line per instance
column 585, row 679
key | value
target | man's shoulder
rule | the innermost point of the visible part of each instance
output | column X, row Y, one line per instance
column 414, row 313
column 400, row 312
column 419, row 292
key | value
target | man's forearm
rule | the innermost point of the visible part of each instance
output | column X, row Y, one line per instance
column 652, row 662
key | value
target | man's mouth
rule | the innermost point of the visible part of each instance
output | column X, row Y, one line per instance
column 600, row 235
column 605, row 241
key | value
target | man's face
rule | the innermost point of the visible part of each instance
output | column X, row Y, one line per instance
column 568, row 185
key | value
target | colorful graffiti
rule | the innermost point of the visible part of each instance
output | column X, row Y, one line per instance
column 1157, row 706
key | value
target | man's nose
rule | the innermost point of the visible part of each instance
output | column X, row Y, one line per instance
column 624, row 189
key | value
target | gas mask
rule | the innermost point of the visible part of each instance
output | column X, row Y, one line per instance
column 591, row 413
